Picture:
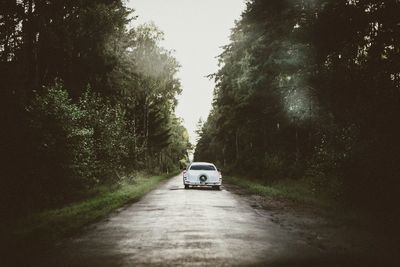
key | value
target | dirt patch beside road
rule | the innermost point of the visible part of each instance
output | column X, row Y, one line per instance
column 341, row 239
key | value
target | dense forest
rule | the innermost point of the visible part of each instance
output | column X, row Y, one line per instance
column 85, row 99
column 311, row 90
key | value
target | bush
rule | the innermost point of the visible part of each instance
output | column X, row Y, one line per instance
column 64, row 151
column 274, row 167
column 111, row 136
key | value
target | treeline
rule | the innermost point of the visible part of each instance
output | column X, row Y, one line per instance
column 311, row 90
column 85, row 99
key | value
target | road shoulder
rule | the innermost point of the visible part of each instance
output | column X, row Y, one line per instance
column 38, row 232
column 340, row 238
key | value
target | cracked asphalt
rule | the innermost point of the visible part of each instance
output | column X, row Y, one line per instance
column 172, row 226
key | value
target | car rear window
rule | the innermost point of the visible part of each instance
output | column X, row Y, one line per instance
column 202, row 168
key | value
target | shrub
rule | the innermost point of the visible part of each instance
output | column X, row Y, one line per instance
column 64, row 151
column 111, row 136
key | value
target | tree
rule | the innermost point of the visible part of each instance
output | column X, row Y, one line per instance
column 86, row 99
column 311, row 89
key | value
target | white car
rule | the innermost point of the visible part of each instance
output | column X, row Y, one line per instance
column 202, row 173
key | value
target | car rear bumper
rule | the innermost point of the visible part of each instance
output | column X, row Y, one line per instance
column 186, row 182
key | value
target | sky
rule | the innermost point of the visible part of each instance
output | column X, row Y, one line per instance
column 195, row 30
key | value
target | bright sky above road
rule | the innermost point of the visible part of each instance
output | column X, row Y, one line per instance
column 196, row 30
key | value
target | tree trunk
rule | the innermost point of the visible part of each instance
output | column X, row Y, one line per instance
column 237, row 144
column 297, row 146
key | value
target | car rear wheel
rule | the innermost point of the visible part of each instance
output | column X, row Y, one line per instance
column 186, row 186
column 217, row 187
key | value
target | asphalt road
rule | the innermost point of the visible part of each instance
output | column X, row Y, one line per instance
column 172, row 226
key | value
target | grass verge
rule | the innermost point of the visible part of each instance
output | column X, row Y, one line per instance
column 51, row 225
column 294, row 190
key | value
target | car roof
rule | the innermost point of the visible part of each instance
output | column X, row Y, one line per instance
column 201, row 163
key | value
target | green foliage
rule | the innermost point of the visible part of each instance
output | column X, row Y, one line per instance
column 274, row 167
column 64, row 145
column 111, row 138
column 311, row 89
column 70, row 138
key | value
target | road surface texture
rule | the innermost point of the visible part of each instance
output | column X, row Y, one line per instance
column 172, row 226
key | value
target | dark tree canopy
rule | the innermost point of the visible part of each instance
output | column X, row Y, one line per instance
column 310, row 89
column 85, row 98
